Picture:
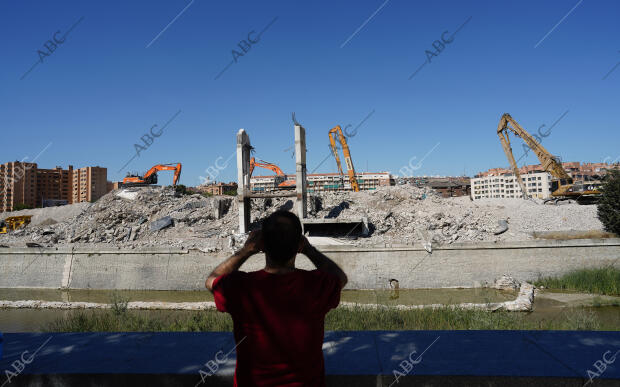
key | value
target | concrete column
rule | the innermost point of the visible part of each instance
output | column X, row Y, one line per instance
column 300, row 170
column 243, row 180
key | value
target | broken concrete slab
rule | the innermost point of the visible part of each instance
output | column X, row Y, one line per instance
column 502, row 227
column 161, row 223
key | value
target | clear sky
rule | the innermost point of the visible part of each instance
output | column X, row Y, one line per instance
column 124, row 67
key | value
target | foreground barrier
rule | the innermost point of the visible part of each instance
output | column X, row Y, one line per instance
column 383, row 358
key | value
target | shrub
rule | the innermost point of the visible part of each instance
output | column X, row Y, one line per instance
column 609, row 203
column 183, row 190
column 21, row 206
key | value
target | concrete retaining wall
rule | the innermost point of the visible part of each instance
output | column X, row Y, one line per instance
column 456, row 265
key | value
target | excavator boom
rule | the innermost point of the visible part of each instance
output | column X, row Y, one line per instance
column 347, row 156
column 150, row 177
column 280, row 180
column 562, row 184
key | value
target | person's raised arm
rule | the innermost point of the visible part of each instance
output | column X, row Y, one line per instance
column 322, row 262
column 253, row 245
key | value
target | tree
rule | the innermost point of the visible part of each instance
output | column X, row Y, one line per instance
column 609, row 203
column 183, row 190
column 21, row 206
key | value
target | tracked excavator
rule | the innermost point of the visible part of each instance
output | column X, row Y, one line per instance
column 151, row 176
column 347, row 156
column 562, row 184
column 280, row 179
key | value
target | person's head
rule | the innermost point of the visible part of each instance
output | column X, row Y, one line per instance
column 281, row 236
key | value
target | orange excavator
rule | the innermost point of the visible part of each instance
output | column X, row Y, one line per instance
column 347, row 156
column 151, row 176
column 280, row 179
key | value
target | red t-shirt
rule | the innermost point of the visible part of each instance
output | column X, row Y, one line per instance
column 278, row 321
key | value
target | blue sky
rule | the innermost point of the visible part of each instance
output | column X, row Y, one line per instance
column 102, row 89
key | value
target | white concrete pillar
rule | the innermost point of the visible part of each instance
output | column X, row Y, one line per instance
column 243, row 180
column 300, row 171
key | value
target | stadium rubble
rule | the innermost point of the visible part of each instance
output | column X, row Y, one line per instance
column 405, row 214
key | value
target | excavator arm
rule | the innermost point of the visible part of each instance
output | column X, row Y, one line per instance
column 280, row 180
column 266, row 165
column 547, row 161
column 150, row 177
column 332, row 143
column 347, row 155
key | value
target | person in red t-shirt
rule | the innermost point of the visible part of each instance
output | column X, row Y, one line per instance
column 279, row 312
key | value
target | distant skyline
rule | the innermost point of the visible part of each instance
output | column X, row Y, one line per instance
column 420, row 85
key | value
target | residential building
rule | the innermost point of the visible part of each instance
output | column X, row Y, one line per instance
column 538, row 185
column 501, row 183
column 217, row 188
column 18, row 185
column 26, row 184
column 89, row 184
column 54, row 185
column 320, row 182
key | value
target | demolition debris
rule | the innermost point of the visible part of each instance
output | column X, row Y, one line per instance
column 158, row 216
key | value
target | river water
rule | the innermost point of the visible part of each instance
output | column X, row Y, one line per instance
column 32, row 320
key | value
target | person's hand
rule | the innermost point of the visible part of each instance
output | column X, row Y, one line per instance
column 254, row 243
column 304, row 244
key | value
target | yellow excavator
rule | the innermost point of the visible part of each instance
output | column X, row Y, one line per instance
column 14, row 223
column 562, row 184
column 347, row 156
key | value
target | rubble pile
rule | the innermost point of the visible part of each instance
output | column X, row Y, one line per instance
column 139, row 217
column 404, row 214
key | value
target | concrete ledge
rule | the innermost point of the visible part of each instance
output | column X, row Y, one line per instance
column 522, row 303
column 455, row 358
column 457, row 265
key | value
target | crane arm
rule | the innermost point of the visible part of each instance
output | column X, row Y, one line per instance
column 547, row 161
column 347, row 156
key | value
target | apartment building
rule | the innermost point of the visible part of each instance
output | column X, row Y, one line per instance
column 26, row 184
column 54, row 185
column 501, row 183
column 18, row 183
column 538, row 185
column 89, row 184
column 217, row 188
column 321, row 182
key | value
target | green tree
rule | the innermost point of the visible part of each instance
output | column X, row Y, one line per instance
column 183, row 190
column 609, row 204
column 21, row 206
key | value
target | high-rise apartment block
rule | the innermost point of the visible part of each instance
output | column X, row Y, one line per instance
column 26, row 184
column 18, row 182
column 89, row 184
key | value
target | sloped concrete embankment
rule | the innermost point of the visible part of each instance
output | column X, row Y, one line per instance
column 455, row 265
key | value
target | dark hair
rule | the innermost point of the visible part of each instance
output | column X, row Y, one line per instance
column 281, row 236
